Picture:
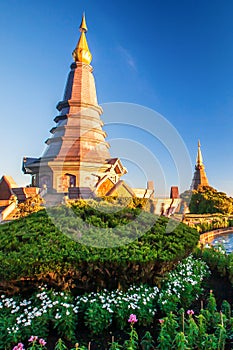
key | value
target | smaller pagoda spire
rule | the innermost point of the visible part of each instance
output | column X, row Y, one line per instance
column 199, row 155
column 82, row 53
column 199, row 178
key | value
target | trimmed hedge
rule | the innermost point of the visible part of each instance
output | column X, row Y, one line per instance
column 33, row 250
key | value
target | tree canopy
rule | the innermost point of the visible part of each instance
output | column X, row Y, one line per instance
column 207, row 200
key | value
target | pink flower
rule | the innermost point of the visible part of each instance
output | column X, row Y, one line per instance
column 42, row 342
column 161, row 321
column 190, row 312
column 132, row 318
column 32, row 338
column 19, row 346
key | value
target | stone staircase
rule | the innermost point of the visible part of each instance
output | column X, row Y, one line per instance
column 53, row 199
column 80, row 193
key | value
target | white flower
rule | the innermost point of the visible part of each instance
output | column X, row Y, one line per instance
column 38, row 314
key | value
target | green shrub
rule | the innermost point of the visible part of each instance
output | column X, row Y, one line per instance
column 33, row 250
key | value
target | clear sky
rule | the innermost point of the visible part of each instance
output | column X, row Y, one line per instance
column 174, row 57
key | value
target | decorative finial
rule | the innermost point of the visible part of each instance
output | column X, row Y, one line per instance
column 199, row 155
column 83, row 25
column 82, row 53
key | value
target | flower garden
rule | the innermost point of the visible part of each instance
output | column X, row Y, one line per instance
column 151, row 293
column 98, row 311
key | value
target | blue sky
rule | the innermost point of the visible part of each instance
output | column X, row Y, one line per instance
column 174, row 57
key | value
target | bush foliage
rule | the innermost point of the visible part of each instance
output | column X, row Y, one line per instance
column 72, row 255
column 31, row 205
column 218, row 261
column 208, row 222
column 208, row 200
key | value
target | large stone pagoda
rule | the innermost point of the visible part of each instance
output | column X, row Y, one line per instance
column 77, row 158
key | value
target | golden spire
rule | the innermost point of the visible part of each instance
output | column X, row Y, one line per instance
column 199, row 155
column 83, row 25
column 82, row 53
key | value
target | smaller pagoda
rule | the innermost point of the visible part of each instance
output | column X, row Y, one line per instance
column 199, row 178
